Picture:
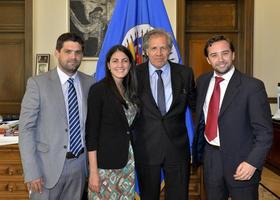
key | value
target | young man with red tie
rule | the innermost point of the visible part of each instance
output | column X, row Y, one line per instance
column 233, row 126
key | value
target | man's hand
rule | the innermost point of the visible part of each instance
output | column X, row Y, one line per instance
column 35, row 185
column 244, row 172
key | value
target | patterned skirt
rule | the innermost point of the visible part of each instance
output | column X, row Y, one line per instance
column 116, row 184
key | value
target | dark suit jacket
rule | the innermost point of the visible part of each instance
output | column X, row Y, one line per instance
column 107, row 129
column 245, row 125
column 159, row 137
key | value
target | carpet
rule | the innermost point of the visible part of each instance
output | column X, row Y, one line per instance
column 266, row 194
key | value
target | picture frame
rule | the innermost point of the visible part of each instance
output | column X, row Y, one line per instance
column 89, row 19
column 42, row 63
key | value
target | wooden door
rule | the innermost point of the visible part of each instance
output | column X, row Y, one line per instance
column 15, row 52
column 199, row 20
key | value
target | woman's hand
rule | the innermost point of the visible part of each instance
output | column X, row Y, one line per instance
column 94, row 182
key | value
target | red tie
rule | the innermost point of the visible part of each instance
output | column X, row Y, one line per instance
column 213, row 111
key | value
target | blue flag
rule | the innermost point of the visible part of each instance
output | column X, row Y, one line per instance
column 131, row 19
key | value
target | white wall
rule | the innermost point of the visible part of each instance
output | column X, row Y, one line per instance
column 50, row 19
column 267, row 44
column 171, row 8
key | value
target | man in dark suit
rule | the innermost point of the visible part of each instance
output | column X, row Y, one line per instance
column 160, row 137
column 51, row 126
column 233, row 129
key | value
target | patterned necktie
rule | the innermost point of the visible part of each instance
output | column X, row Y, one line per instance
column 74, row 119
column 160, row 93
column 213, row 111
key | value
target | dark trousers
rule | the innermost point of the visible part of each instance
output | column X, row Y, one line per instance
column 215, row 183
column 176, row 181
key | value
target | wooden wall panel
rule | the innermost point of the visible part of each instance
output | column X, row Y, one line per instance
column 11, row 79
column 197, row 59
column 205, row 18
column 15, row 52
column 12, row 16
column 209, row 15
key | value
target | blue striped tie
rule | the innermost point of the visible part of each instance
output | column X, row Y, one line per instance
column 74, row 119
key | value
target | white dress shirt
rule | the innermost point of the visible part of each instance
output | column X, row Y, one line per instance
column 64, row 85
column 223, row 87
column 166, row 78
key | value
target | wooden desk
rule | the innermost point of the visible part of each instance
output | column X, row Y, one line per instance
column 12, row 186
column 273, row 157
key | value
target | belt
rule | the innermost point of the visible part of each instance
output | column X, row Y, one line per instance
column 70, row 155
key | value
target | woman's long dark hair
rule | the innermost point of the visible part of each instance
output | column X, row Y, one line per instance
column 129, row 81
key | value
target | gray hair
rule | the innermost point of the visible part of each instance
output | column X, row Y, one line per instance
column 156, row 32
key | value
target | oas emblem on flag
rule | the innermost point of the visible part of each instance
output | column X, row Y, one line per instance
column 134, row 39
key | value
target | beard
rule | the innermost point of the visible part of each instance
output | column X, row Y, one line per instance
column 223, row 70
column 70, row 67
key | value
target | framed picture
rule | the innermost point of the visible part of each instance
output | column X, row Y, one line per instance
column 42, row 63
column 89, row 19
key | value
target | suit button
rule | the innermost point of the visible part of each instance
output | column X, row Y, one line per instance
column 65, row 146
column 127, row 132
column 66, row 130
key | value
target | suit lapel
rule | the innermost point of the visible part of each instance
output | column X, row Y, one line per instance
column 118, row 106
column 231, row 91
column 202, row 95
column 57, row 93
column 202, row 87
column 84, row 94
column 122, row 114
column 176, row 82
